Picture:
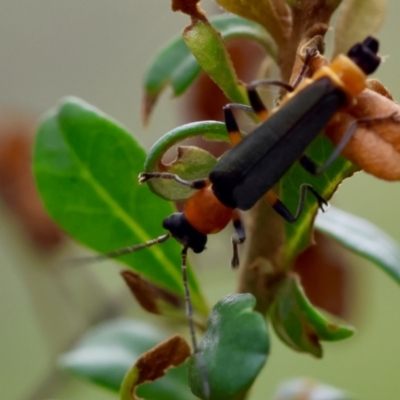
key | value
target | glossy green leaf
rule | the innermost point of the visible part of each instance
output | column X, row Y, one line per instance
column 86, row 167
column 299, row 324
column 196, row 164
column 175, row 65
column 298, row 235
column 106, row 353
column 357, row 19
column 206, row 44
column 362, row 237
column 234, row 348
column 310, row 389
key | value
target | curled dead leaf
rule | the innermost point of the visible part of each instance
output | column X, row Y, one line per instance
column 152, row 298
column 375, row 146
column 377, row 86
column 153, row 364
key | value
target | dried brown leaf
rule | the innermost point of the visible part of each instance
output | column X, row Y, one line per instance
column 153, row 364
column 148, row 295
column 375, row 147
column 377, row 86
column 170, row 353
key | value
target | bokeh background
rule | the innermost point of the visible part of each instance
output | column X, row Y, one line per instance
column 98, row 50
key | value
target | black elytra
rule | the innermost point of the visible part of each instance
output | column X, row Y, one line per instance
column 250, row 169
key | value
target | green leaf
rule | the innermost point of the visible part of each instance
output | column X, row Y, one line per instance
column 107, row 352
column 310, row 389
column 206, row 44
column 175, row 65
column 234, row 348
column 298, row 235
column 362, row 237
column 357, row 19
column 86, row 167
column 299, row 324
column 195, row 164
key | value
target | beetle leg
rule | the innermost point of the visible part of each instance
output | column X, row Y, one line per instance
column 238, row 238
column 256, row 106
column 274, row 82
column 277, row 204
column 255, row 101
column 310, row 54
column 308, row 164
column 232, row 126
column 195, row 184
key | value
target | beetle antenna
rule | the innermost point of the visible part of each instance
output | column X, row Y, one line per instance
column 122, row 251
column 189, row 313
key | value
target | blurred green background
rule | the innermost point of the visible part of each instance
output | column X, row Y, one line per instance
column 98, row 50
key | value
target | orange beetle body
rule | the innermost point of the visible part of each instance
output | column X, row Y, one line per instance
column 206, row 213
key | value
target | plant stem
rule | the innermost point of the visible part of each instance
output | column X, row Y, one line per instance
column 260, row 269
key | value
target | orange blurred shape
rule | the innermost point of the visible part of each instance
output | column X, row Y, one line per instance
column 325, row 276
column 17, row 186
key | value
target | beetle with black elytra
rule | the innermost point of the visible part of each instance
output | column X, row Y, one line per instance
column 247, row 172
